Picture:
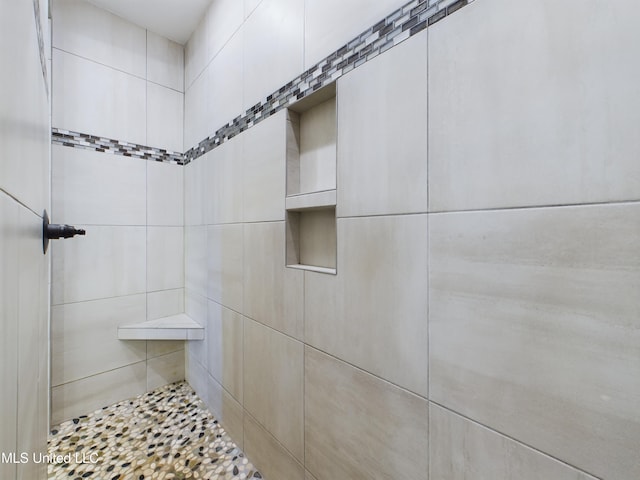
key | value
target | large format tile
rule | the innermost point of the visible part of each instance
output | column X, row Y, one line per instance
column 382, row 133
column 223, row 18
column 84, row 338
column 165, row 62
column 107, row 262
column 194, row 191
column 534, row 328
column 165, row 115
column 197, row 111
column 223, row 170
column 225, row 259
column 273, row 47
column 33, row 310
column 91, row 98
column 91, row 32
column 521, row 106
column 165, row 194
column 195, row 54
column 273, row 460
column 25, row 133
column 273, row 382
column 165, row 369
column 264, row 156
column 225, row 81
column 330, row 24
column 165, row 258
column 273, row 294
column 373, row 314
column 89, row 394
column 93, row 190
column 195, row 306
column 9, row 273
column 358, row 426
column 461, row 449
column 164, row 303
column 225, row 408
column 225, row 348
column 195, row 260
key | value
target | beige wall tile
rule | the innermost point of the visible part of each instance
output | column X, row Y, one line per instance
column 165, row 62
column 225, row 348
column 531, row 118
column 84, row 338
column 195, row 306
column 165, row 118
column 33, row 388
column 223, row 172
column 9, row 272
column 325, row 31
column 226, row 410
column 99, row 100
column 273, row 294
column 264, row 159
column 194, row 188
column 164, row 303
column 165, row 258
column 374, row 312
column 358, row 426
column 195, row 260
column 165, row 194
column 273, row 47
column 273, row 382
column 225, row 260
column 89, row 394
column 165, row 369
column 158, row 348
column 382, row 133
column 225, row 81
column 107, row 262
column 460, row 449
column 534, row 329
column 267, row 454
column 88, row 190
column 91, row 32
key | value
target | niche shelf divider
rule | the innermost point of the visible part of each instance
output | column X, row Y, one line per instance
column 311, row 242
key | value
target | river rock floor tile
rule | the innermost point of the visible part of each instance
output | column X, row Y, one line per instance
column 162, row 435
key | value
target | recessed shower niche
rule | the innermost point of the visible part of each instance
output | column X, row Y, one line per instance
column 311, row 182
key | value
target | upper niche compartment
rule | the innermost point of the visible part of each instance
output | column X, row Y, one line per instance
column 311, row 143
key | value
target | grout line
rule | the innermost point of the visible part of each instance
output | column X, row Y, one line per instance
column 106, row 371
column 19, row 202
column 519, row 442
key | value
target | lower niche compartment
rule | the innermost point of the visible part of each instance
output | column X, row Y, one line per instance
column 311, row 239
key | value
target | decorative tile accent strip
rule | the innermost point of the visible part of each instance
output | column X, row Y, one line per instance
column 116, row 147
column 167, row 433
column 43, row 58
column 406, row 21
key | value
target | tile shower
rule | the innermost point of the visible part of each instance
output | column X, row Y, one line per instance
column 411, row 232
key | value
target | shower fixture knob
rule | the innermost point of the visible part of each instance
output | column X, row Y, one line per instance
column 53, row 231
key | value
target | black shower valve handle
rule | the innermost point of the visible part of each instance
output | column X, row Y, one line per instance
column 53, row 231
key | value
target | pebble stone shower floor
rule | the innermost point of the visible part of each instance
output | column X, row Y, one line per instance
column 161, row 435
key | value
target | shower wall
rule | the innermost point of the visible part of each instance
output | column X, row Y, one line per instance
column 117, row 82
column 484, row 318
column 24, row 270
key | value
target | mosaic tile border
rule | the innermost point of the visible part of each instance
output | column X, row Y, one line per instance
column 85, row 141
column 395, row 28
column 403, row 23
